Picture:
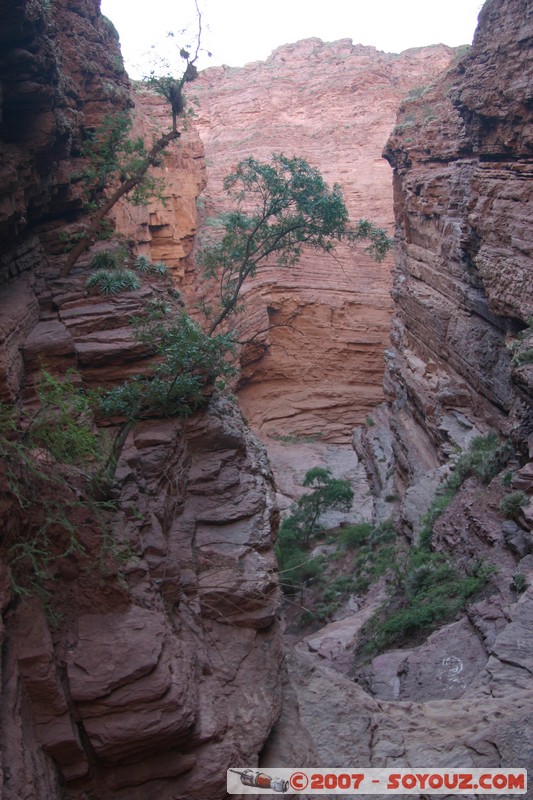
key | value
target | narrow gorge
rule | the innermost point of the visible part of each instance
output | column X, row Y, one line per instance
column 147, row 643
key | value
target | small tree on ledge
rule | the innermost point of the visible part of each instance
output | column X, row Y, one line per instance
column 280, row 208
column 119, row 163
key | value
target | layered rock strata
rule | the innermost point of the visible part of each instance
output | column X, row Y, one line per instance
column 459, row 366
column 165, row 230
column 463, row 289
column 334, row 104
column 155, row 663
column 61, row 72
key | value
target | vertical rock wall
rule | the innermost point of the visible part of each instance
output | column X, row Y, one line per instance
column 61, row 71
column 154, row 663
column 165, row 231
column 333, row 104
column 463, row 289
column 459, row 365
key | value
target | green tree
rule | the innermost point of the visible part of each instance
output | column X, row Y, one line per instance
column 188, row 364
column 328, row 494
column 296, row 567
column 280, row 208
column 118, row 164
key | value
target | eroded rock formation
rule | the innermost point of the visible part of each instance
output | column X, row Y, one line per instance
column 50, row 95
column 155, row 662
column 457, row 368
column 165, row 231
column 333, row 104
column 155, row 673
column 463, row 289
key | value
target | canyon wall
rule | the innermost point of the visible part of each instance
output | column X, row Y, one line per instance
column 144, row 658
column 156, row 661
column 463, row 287
column 61, row 72
column 459, row 367
column 333, row 104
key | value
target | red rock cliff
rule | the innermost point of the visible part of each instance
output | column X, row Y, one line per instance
column 463, row 287
column 146, row 677
column 334, row 104
column 459, row 365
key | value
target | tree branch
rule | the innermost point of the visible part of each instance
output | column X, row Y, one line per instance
column 124, row 188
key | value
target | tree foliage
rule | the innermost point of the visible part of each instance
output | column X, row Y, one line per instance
column 128, row 162
column 113, row 155
column 328, row 493
column 118, row 164
column 296, row 566
column 281, row 208
column 188, row 364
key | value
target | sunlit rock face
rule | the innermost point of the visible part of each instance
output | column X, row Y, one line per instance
column 333, row 104
column 164, row 229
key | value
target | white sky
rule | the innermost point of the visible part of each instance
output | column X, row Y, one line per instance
column 239, row 31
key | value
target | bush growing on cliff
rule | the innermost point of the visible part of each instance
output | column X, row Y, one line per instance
column 280, row 208
column 485, row 458
column 143, row 264
column 50, row 460
column 189, row 363
column 521, row 347
column 113, row 281
column 62, row 425
column 296, row 567
column 303, row 524
column 512, row 503
column 111, row 276
column 107, row 259
column 427, row 589
column 426, row 592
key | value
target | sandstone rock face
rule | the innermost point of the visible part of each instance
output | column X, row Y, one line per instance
column 61, row 71
column 165, row 231
column 156, row 663
column 334, row 104
column 172, row 680
column 149, row 680
column 152, row 678
column 463, row 288
column 457, row 368
column 480, row 729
